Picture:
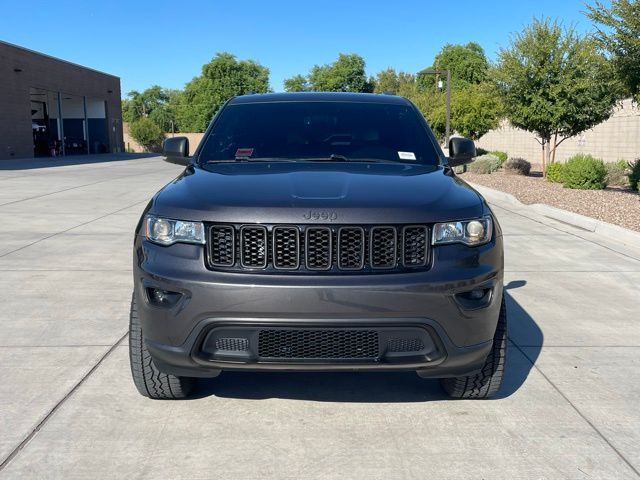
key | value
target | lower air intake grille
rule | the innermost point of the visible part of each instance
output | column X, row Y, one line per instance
column 405, row 345
column 231, row 344
column 318, row 344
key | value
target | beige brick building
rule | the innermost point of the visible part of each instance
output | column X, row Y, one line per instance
column 614, row 139
column 51, row 107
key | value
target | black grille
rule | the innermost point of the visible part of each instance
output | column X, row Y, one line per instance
column 404, row 345
column 318, row 249
column 351, row 248
column 414, row 246
column 253, row 247
column 286, row 248
column 222, row 245
column 318, row 344
column 231, row 344
column 384, row 249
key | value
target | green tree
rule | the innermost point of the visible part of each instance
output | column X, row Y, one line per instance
column 166, row 116
column 390, row 81
column 146, row 133
column 297, row 83
column 475, row 109
column 222, row 78
column 346, row 74
column 155, row 103
column 619, row 34
column 476, row 106
column 554, row 84
column 467, row 64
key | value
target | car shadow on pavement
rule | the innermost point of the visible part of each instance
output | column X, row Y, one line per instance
column 523, row 331
column 374, row 387
column 47, row 162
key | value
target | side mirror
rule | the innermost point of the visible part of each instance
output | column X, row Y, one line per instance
column 176, row 150
column 461, row 151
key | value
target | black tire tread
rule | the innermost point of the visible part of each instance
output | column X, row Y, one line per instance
column 487, row 382
column 149, row 381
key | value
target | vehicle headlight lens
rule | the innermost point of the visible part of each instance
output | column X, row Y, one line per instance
column 167, row 232
column 469, row 232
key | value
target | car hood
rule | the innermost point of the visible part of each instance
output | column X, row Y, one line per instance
column 314, row 192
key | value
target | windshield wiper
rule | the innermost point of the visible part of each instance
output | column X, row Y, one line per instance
column 331, row 158
column 251, row 159
column 341, row 158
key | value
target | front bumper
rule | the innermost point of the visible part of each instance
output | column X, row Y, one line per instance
column 422, row 305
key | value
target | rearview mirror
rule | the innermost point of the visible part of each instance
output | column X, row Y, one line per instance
column 461, row 151
column 176, row 150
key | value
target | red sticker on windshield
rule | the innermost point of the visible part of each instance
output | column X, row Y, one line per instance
column 244, row 152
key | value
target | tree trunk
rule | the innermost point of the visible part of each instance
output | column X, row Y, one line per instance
column 555, row 146
column 545, row 142
column 547, row 157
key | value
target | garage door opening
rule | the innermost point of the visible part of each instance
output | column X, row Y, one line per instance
column 44, row 123
column 65, row 124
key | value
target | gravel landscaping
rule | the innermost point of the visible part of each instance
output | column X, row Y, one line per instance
column 613, row 204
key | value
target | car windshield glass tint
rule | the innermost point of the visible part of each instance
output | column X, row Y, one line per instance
column 330, row 131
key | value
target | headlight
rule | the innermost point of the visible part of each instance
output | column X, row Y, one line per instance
column 470, row 232
column 167, row 232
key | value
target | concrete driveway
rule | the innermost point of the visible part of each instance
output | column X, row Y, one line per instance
column 68, row 409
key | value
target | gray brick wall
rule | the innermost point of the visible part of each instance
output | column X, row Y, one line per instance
column 617, row 138
column 42, row 71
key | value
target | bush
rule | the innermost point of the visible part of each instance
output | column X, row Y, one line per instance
column 617, row 173
column 484, row 164
column 502, row 156
column 585, row 173
column 634, row 176
column 147, row 133
column 518, row 166
column 481, row 151
column 555, row 172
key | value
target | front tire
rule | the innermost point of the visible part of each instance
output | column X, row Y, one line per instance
column 486, row 383
column 150, row 381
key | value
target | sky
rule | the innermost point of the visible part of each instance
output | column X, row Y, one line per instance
column 166, row 43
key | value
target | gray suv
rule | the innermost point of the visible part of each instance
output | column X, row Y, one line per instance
column 318, row 232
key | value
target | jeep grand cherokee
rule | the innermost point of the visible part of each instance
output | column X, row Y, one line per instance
column 318, row 231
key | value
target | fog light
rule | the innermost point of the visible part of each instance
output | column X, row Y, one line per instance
column 162, row 298
column 476, row 294
column 476, row 298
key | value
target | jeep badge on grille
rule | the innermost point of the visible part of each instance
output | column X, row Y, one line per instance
column 321, row 215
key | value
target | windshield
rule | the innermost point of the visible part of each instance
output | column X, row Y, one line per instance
column 332, row 131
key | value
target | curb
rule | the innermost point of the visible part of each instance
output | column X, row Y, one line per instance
column 603, row 229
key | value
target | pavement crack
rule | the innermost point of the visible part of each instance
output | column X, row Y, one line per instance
column 38, row 427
